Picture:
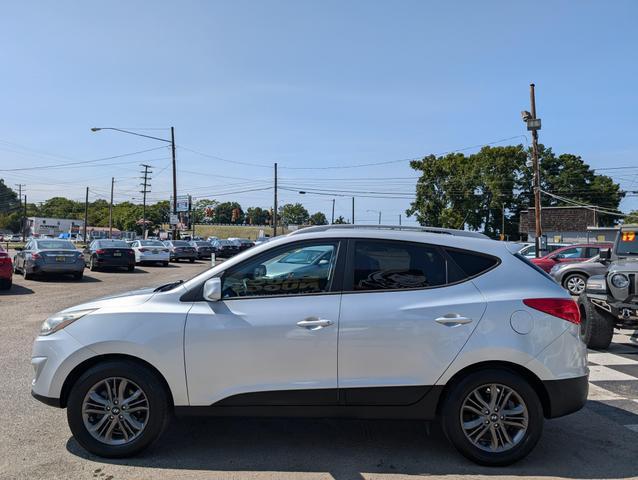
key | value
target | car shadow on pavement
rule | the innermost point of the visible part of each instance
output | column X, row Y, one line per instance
column 16, row 290
column 579, row 446
column 52, row 278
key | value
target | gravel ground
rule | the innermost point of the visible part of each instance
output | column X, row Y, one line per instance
column 35, row 442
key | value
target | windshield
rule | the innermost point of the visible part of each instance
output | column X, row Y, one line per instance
column 181, row 243
column 113, row 244
column 202, row 244
column 46, row 244
column 151, row 243
column 627, row 244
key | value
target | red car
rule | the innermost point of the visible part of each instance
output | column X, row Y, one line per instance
column 572, row 253
column 6, row 270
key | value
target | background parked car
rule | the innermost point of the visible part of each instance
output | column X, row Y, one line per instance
column 242, row 243
column 261, row 240
column 573, row 253
column 180, row 250
column 109, row 253
column 529, row 250
column 225, row 248
column 150, row 251
column 48, row 256
column 202, row 248
column 212, row 239
column 573, row 275
column 6, row 270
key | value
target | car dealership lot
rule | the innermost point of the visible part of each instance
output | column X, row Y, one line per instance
column 601, row 441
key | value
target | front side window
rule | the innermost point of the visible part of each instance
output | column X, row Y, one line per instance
column 296, row 270
column 575, row 252
column 395, row 265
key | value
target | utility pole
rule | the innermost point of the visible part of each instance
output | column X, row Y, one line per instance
column 174, row 180
column 144, row 191
column 379, row 217
column 24, row 223
column 399, row 219
column 502, row 221
column 353, row 210
column 274, row 211
column 86, row 214
column 332, row 221
column 111, row 209
column 534, row 125
column 24, row 218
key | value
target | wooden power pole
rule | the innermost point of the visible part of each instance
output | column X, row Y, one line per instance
column 111, row 209
column 534, row 125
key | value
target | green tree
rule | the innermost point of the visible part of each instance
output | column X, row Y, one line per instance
column 224, row 213
column 257, row 216
column 318, row 219
column 473, row 191
column 340, row 220
column 293, row 214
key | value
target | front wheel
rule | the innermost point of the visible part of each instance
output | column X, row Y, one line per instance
column 92, row 264
column 117, row 408
column 596, row 326
column 493, row 417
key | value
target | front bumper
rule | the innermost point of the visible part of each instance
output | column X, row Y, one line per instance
column 566, row 395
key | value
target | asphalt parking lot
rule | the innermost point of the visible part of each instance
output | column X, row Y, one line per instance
column 601, row 441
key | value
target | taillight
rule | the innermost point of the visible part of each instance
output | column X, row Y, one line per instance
column 558, row 307
column 100, row 251
column 130, row 252
column 36, row 256
column 5, row 259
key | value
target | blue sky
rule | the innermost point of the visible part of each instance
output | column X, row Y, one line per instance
column 307, row 84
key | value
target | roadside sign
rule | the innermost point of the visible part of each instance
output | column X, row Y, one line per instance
column 174, row 219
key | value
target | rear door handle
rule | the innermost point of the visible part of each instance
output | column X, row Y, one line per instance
column 314, row 323
column 452, row 320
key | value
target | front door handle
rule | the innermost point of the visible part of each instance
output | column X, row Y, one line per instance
column 314, row 323
column 452, row 320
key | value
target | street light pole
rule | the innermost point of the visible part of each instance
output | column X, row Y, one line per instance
column 332, row 221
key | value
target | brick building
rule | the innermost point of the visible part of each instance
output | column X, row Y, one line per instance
column 565, row 224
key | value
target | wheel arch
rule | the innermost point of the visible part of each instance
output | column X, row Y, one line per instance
column 574, row 272
column 82, row 367
column 527, row 375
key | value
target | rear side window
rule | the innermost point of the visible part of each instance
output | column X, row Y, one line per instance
column 381, row 265
column 471, row 263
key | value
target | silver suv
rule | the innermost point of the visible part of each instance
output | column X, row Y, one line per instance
column 417, row 324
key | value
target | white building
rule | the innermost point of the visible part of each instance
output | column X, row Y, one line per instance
column 53, row 226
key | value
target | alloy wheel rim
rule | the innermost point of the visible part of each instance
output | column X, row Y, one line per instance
column 494, row 418
column 576, row 285
column 115, row 411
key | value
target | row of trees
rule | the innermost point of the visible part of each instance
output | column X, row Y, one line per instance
column 126, row 215
column 473, row 191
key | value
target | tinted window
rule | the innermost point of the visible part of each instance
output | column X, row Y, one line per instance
column 274, row 274
column 111, row 244
column 395, row 265
column 471, row 263
column 150, row 243
column 202, row 244
column 574, row 252
column 180, row 243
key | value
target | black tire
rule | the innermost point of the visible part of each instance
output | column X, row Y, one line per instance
column 26, row 275
column 596, row 326
column 164, row 264
column 6, row 283
column 78, row 275
column 131, row 268
column 158, row 407
column 92, row 265
column 575, row 277
column 452, row 410
column 192, row 260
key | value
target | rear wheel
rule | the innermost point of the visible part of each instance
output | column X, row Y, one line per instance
column 596, row 326
column 493, row 417
column 92, row 264
column 78, row 275
column 131, row 268
column 164, row 264
column 5, row 283
column 192, row 260
column 117, row 409
column 25, row 274
column 575, row 283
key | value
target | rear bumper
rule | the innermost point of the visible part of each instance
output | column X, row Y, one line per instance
column 116, row 262
column 58, row 267
column 566, row 395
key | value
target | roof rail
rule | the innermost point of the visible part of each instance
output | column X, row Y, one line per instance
column 445, row 231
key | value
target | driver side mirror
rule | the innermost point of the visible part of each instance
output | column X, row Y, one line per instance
column 605, row 254
column 213, row 289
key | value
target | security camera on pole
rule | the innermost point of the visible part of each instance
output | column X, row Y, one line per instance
column 534, row 125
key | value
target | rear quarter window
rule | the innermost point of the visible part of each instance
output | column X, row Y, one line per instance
column 470, row 264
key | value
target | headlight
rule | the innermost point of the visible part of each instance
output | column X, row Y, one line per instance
column 619, row 280
column 60, row 320
column 554, row 268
